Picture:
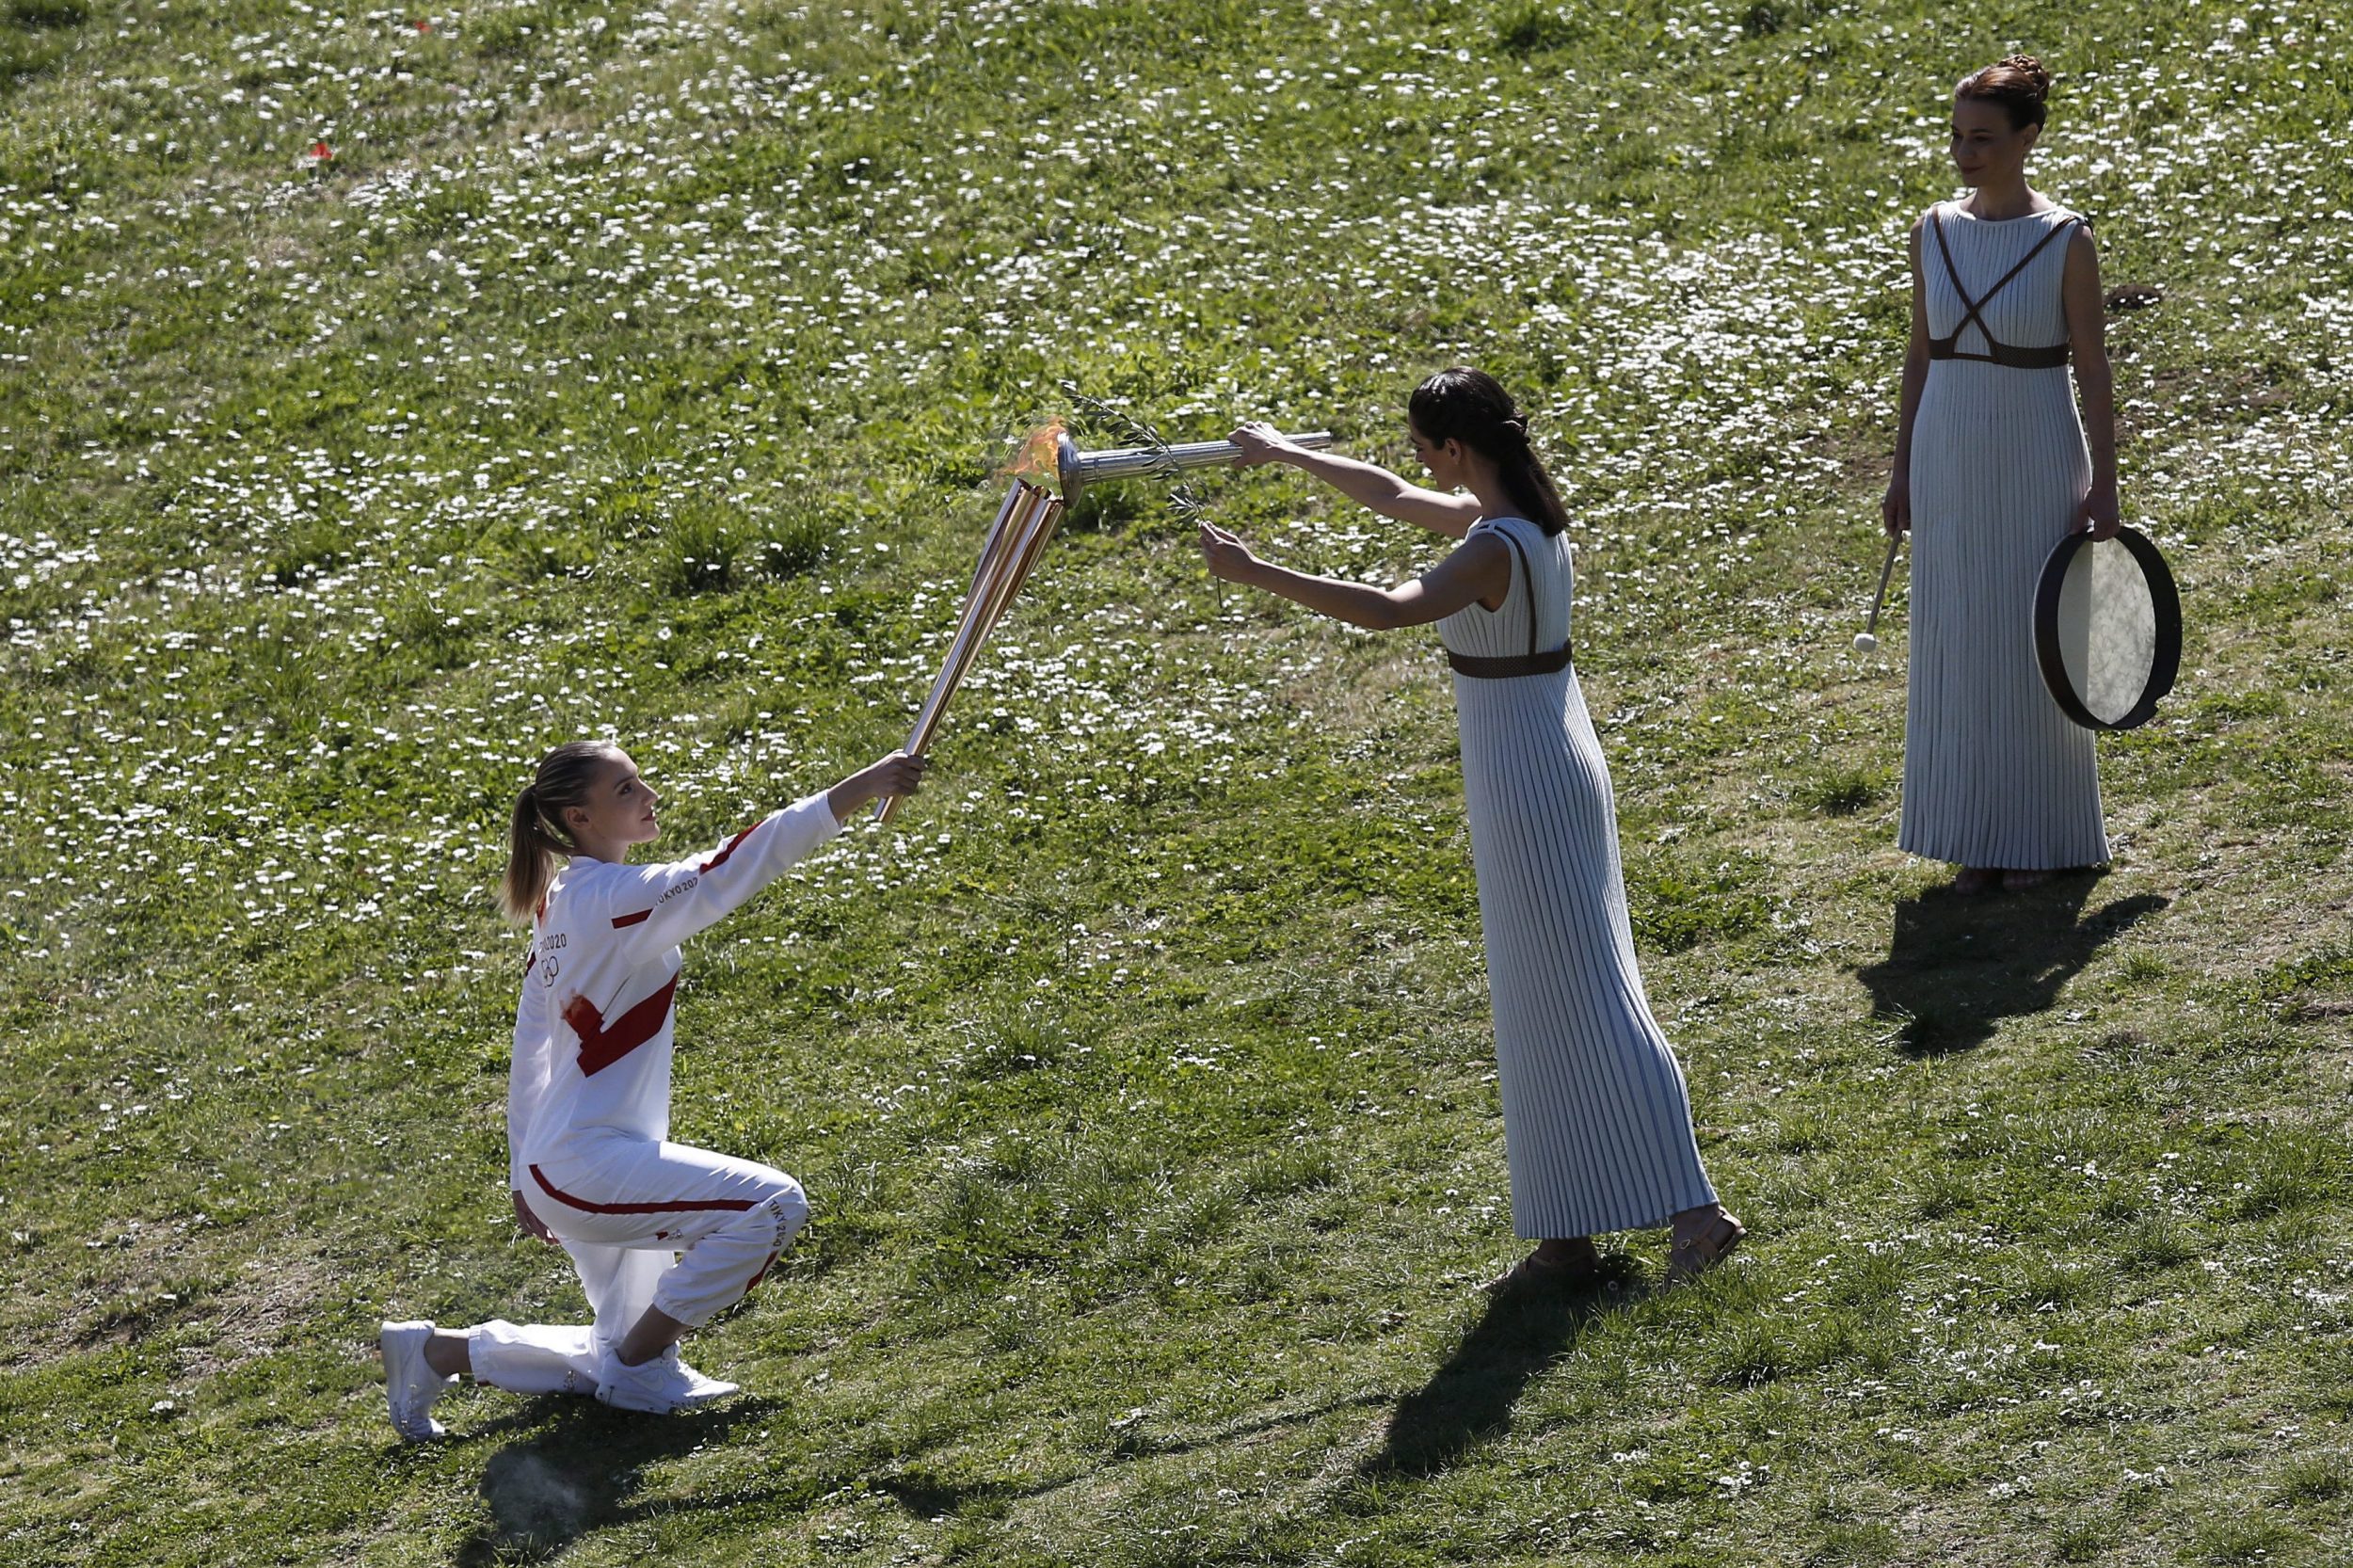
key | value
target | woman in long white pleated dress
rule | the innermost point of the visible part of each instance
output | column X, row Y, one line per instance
column 1597, row 1119
column 1992, row 468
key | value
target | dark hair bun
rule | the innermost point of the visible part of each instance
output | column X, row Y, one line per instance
column 2037, row 74
column 2019, row 83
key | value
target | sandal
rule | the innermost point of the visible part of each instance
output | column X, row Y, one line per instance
column 1695, row 1254
column 1580, row 1272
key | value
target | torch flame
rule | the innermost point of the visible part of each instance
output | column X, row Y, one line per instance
column 1035, row 459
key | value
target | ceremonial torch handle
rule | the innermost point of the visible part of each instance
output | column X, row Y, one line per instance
column 1079, row 469
column 1023, row 525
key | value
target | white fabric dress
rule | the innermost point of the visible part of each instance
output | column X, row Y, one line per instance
column 1596, row 1119
column 1994, row 775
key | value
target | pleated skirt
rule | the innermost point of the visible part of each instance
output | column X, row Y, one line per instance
column 1994, row 775
column 1596, row 1117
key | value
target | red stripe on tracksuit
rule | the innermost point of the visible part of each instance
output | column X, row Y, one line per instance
column 739, row 1205
column 620, row 921
column 602, row 1043
column 729, row 848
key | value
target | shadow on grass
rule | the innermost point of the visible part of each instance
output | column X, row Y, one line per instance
column 578, row 1475
column 1958, row 964
column 926, row 1495
column 1469, row 1399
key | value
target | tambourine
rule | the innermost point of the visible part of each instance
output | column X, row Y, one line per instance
column 2108, row 629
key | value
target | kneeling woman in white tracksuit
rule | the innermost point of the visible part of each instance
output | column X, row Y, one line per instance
column 664, row 1236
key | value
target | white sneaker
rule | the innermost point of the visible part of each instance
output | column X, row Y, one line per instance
column 662, row 1386
column 411, row 1386
column 700, row 1390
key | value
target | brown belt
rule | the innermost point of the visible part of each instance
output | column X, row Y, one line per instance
column 2016, row 359
column 1504, row 669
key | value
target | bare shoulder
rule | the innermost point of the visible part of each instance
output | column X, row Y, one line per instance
column 1484, row 559
column 1483, row 555
column 2082, row 251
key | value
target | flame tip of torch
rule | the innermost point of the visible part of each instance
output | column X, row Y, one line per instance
column 1034, row 454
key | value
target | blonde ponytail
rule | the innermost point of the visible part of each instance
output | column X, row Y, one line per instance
column 535, row 837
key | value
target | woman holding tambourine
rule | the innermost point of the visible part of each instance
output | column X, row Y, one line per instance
column 1994, row 467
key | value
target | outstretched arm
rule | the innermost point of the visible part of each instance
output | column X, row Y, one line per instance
column 1366, row 484
column 2095, row 382
column 659, row 906
column 1480, row 571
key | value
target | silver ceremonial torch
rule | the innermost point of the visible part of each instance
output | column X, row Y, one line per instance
column 1082, row 469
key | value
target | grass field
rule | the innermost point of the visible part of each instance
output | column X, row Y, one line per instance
column 383, row 403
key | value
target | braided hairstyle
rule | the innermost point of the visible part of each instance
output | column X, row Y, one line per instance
column 536, row 833
column 1470, row 405
column 2019, row 83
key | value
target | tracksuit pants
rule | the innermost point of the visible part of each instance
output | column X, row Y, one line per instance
column 647, row 1223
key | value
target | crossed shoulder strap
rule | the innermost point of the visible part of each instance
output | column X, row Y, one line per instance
column 1999, row 352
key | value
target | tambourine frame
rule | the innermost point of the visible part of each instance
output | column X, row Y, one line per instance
column 2165, row 600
